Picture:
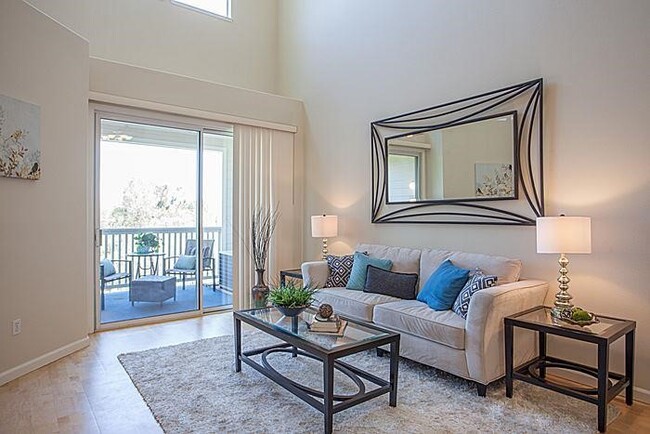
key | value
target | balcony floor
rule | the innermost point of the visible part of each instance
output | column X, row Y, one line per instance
column 118, row 307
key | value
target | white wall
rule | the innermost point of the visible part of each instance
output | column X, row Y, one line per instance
column 355, row 62
column 43, row 275
column 158, row 35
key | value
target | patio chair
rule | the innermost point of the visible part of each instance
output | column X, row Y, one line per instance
column 185, row 264
column 108, row 273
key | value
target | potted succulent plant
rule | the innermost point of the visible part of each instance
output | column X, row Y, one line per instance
column 290, row 298
column 146, row 242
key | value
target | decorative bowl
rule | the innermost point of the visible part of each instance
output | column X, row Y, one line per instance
column 291, row 311
column 566, row 316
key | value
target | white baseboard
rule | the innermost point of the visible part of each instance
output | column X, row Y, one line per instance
column 640, row 394
column 43, row 360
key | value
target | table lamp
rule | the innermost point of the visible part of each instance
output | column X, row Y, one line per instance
column 563, row 235
column 324, row 226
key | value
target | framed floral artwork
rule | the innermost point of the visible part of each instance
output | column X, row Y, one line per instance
column 20, row 139
column 494, row 180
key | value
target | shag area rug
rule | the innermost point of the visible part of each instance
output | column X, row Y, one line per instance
column 192, row 388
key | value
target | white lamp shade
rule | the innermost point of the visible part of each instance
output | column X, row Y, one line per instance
column 324, row 226
column 564, row 234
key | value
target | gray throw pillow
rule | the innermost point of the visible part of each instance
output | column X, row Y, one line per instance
column 108, row 266
column 185, row 262
column 400, row 285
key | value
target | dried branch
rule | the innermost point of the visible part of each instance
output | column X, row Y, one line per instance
column 262, row 228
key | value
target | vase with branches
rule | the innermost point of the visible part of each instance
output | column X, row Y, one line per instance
column 263, row 225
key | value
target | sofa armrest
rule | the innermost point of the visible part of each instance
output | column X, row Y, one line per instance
column 315, row 274
column 484, row 329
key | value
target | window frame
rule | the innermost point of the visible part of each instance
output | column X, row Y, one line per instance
column 228, row 17
column 420, row 171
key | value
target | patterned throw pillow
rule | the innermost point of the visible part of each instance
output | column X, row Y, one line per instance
column 475, row 283
column 340, row 268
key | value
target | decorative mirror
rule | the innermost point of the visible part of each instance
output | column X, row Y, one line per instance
column 477, row 160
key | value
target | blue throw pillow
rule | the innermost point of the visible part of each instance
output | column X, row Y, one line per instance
column 185, row 262
column 108, row 266
column 359, row 271
column 443, row 286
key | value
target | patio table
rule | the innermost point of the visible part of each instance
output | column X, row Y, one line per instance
column 145, row 263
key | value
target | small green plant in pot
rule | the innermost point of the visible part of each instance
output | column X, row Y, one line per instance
column 290, row 298
column 146, row 242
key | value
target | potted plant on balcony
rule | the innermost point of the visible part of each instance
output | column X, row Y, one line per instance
column 146, row 242
column 291, row 299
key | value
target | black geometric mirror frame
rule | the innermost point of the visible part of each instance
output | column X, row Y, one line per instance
column 529, row 150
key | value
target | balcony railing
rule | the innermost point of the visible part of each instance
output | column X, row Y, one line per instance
column 117, row 243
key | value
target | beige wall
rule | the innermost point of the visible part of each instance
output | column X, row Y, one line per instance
column 355, row 62
column 43, row 275
column 159, row 35
column 489, row 141
column 144, row 84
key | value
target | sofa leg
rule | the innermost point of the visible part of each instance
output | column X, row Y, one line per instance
column 481, row 389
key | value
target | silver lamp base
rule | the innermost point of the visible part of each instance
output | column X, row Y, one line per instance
column 562, row 298
column 324, row 249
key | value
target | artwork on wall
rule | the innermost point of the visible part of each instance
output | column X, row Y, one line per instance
column 20, row 139
column 494, row 180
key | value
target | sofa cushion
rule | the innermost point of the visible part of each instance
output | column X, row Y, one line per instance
column 348, row 302
column 443, row 286
column 507, row 270
column 415, row 318
column 430, row 260
column 405, row 260
column 360, row 269
column 400, row 285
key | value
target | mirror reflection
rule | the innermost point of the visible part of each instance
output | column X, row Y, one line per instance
column 471, row 161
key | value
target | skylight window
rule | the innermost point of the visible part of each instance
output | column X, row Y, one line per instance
column 220, row 8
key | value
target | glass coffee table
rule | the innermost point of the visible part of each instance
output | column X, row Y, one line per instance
column 299, row 341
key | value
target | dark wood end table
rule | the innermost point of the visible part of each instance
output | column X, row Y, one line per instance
column 295, row 273
column 603, row 334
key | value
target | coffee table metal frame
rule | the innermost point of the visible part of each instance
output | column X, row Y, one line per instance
column 329, row 357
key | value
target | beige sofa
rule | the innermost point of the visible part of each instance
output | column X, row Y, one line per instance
column 472, row 348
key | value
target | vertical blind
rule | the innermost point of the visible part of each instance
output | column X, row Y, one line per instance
column 264, row 177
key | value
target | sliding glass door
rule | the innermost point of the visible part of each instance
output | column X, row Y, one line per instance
column 217, row 153
column 153, row 178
